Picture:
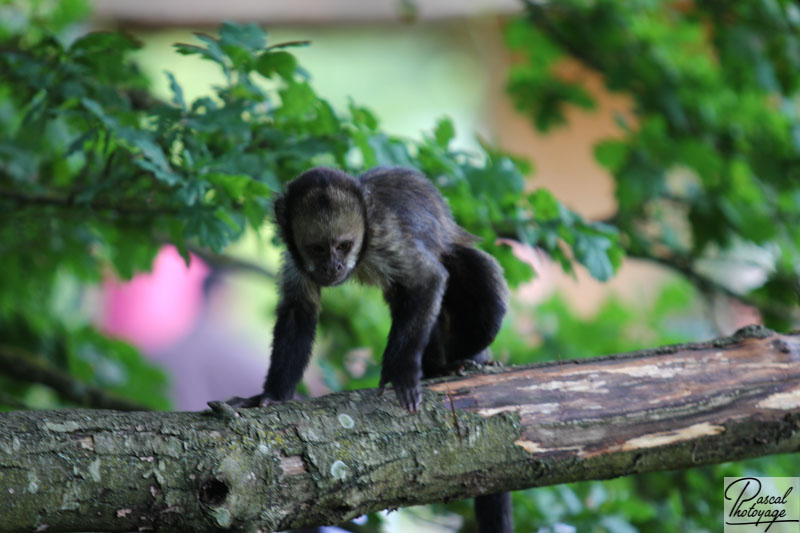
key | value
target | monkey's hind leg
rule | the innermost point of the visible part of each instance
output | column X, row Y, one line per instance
column 474, row 303
column 435, row 361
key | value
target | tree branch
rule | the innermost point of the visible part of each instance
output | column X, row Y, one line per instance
column 230, row 263
column 329, row 459
column 69, row 202
column 27, row 367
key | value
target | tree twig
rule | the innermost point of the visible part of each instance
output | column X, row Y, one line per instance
column 707, row 284
column 21, row 365
column 227, row 262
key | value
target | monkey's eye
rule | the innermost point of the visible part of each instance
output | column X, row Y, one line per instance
column 317, row 249
column 344, row 246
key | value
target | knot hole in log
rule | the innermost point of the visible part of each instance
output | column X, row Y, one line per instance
column 213, row 492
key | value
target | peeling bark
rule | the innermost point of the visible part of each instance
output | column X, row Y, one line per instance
column 329, row 459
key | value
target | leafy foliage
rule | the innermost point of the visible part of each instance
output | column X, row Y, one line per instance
column 709, row 160
column 94, row 172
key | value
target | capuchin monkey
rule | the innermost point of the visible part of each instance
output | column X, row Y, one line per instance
column 390, row 228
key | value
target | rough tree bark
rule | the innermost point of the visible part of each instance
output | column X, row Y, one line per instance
column 329, row 459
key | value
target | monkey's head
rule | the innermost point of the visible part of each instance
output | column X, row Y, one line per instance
column 322, row 218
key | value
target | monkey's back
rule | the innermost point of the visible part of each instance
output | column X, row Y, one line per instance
column 403, row 201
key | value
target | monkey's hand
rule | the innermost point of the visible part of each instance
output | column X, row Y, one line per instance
column 407, row 388
column 259, row 400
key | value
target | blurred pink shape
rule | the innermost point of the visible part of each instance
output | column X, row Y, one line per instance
column 155, row 309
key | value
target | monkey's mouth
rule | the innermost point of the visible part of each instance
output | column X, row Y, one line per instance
column 331, row 280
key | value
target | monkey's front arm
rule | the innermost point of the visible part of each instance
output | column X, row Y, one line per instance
column 292, row 339
column 414, row 311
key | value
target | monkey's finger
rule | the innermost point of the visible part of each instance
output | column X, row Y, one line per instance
column 409, row 398
column 417, row 399
column 382, row 385
column 238, row 401
column 416, row 402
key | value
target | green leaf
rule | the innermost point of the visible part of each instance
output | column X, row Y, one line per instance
column 79, row 142
column 149, row 148
column 362, row 142
column 363, row 117
column 255, row 213
column 177, row 92
column 97, row 110
column 612, row 154
column 259, row 189
column 210, row 231
column 68, row 12
column 499, row 180
column 212, row 52
column 297, row 100
column 234, row 185
column 444, row 132
column 248, row 37
column 154, row 160
column 104, row 42
column 544, row 204
column 388, row 151
column 162, row 174
column 212, row 49
column 283, row 64
column 592, row 252
column 225, row 217
column 514, row 270
column 132, row 253
column 616, row 254
column 327, row 122
column 703, row 158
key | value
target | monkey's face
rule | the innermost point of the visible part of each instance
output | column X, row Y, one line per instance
column 329, row 245
column 326, row 222
column 331, row 260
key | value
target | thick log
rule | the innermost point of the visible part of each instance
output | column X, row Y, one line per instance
column 326, row 460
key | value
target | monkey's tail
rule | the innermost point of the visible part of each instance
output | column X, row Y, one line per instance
column 493, row 513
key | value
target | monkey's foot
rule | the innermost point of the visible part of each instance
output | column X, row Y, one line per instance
column 471, row 366
column 409, row 393
column 259, row 400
